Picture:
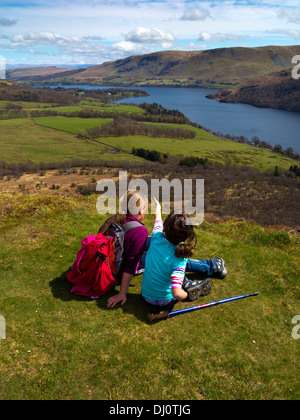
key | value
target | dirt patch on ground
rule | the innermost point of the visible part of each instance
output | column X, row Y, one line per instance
column 53, row 179
column 74, row 181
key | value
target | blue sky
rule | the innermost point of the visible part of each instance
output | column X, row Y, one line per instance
column 67, row 32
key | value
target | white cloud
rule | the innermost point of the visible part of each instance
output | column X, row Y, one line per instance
column 99, row 53
column 292, row 33
column 149, row 36
column 42, row 38
column 291, row 15
column 93, row 38
column 39, row 52
column 191, row 46
column 94, row 31
column 219, row 37
column 125, row 46
column 196, row 15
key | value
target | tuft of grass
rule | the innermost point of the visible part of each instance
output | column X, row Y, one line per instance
column 60, row 346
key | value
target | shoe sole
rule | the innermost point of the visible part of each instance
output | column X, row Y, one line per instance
column 223, row 274
column 203, row 289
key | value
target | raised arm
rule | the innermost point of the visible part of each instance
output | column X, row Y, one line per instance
column 158, row 224
column 157, row 209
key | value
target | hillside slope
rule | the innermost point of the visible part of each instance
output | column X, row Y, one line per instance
column 220, row 66
column 275, row 90
column 59, row 346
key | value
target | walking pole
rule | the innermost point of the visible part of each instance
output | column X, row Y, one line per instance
column 165, row 315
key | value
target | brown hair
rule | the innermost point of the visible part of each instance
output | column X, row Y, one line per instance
column 119, row 218
column 177, row 231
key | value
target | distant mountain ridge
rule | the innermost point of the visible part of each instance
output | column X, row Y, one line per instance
column 208, row 68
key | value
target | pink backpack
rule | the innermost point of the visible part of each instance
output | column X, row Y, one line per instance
column 90, row 272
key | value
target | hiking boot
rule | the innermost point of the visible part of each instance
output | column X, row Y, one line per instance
column 197, row 288
column 220, row 271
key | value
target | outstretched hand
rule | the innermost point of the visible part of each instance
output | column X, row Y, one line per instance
column 157, row 208
column 119, row 298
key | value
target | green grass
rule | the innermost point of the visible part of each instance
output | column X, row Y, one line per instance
column 59, row 346
column 90, row 105
column 70, row 124
column 25, row 105
column 206, row 145
column 203, row 145
column 67, row 108
column 112, row 107
column 21, row 140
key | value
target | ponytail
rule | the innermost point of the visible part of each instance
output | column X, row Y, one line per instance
column 185, row 250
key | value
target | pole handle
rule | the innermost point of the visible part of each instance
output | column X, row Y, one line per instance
column 157, row 317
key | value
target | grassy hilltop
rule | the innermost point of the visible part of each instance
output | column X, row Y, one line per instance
column 63, row 347
column 209, row 68
column 59, row 346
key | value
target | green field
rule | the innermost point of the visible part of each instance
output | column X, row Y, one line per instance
column 24, row 104
column 203, row 145
column 54, row 138
column 112, row 107
column 83, row 105
column 59, row 346
column 21, row 140
column 70, row 124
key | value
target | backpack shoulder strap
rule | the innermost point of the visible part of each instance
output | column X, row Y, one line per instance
column 130, row 225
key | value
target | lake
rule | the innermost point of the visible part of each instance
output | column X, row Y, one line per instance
column 274, row 126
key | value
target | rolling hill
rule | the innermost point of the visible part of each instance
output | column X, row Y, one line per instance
column 209, row 68
column 275, row 90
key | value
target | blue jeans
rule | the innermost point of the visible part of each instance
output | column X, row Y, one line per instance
column 203, row 267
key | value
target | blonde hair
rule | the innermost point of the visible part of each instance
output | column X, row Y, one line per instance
column 132, row 200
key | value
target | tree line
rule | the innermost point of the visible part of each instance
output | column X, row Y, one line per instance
column 24, row 93
column 65, row 96
column 193, row 161
column 152, row 155
column 17, row 169
column 295, row 169
column 121, row 126
column 255, row 141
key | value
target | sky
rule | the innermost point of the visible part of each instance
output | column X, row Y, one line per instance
column 84, row 32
